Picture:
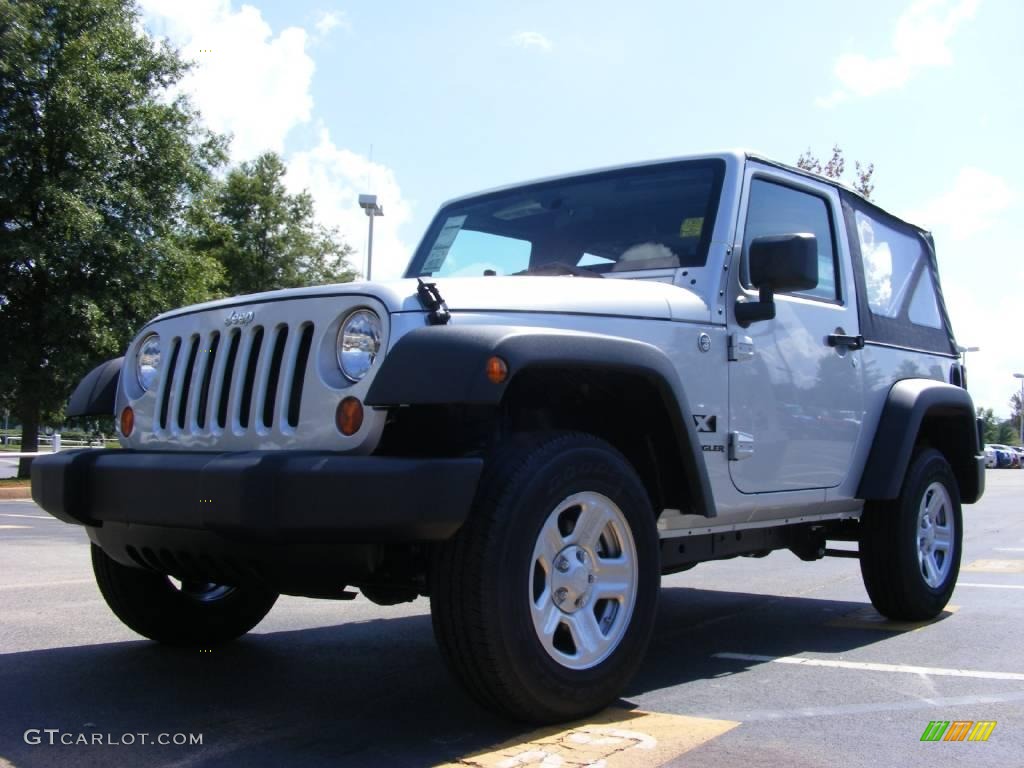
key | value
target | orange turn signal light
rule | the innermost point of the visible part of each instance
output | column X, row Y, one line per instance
column 497, row 370
column 349, row 416
column 127, row 421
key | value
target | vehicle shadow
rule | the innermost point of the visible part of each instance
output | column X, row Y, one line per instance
column 369, row 693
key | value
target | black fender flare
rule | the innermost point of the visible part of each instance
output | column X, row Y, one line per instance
column 909, row 403
column 439, row 365
column 96, row 394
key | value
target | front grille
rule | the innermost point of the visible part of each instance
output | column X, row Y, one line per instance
column 241, row 381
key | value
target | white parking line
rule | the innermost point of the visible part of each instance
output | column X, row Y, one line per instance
column 1009, row 549
column 989, row 586
column 46, row 584
column 952, row 702
column 31, row 517
column 871, row 667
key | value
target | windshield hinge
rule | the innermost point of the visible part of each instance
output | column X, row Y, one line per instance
column 431, row 300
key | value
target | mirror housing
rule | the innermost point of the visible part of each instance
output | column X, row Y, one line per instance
column 778, row 263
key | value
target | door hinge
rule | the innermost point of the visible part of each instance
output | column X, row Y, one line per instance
column 741, row 446
column 740, row 347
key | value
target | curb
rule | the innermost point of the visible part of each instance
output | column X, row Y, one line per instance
column 16, row 493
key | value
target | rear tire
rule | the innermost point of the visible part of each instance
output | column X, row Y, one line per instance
column 182, row 614
column 910, row 547
column 544, row 601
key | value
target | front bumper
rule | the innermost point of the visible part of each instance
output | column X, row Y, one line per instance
column 268, row 495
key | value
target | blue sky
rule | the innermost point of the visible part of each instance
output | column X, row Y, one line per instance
column 459, row 96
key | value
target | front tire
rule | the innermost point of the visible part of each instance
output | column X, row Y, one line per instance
column 543, row 603
column 193, row 614
column 910, row 547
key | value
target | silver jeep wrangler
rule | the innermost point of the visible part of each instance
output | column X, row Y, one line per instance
column 581, row 384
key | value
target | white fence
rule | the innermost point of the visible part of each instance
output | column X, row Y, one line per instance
column 55, row 442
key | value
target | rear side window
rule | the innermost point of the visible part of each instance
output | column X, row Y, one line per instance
column 774, row 209
column 895, row 273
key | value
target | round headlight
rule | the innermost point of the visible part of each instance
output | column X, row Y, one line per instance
column 147, row 365
column 358, row 343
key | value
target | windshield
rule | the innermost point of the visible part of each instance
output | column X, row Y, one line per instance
column 654, row 217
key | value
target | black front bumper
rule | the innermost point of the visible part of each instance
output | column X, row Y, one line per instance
column 278, row 495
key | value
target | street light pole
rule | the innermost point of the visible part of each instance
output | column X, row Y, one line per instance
column 369, row 204
column 1020, row 411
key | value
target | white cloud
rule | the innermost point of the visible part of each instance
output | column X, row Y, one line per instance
column 258, row 86
column 335, row 177
column 987, row 321
column 329, row 20
column 247, row 81
column 970, row 206
column 969, row 219
column 920, row 41
column 531, row 40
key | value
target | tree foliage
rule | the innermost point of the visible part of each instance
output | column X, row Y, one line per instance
column 97, row 164
column 1005, row 432
column 262, row 236
column 835, row 167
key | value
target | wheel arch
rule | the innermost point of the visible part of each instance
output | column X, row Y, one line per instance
column 447, row 365
column 924, row 412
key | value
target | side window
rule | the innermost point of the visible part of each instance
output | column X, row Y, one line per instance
column 774, row 209
column 896, row 273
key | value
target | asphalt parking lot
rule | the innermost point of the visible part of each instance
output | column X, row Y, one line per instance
column 754, row 663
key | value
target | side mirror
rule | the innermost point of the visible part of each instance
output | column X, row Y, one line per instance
column 778, row 263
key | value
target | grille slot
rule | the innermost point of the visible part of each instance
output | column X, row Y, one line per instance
column 250, row 376
column 274, row 375
column 168, row 383
column 204, row 391
column 229, row 372
column 299, row 374
column 186, row 386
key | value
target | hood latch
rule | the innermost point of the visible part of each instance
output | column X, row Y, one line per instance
column 431, row 300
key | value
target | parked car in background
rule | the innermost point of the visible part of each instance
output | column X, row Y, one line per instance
column 1006, row 458
column 990, row 457
column 1019, row 451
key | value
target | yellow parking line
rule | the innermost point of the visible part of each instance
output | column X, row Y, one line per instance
column 614, row 738
column 869, row 618
column 994, row 566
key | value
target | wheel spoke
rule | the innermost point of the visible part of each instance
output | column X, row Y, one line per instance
column 943, row 537
column 586, row 633
column 614, row 578
column 594, row 518
column 931, row 571
column 551, row 543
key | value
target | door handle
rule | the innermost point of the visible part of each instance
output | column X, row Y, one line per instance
column 842, row 340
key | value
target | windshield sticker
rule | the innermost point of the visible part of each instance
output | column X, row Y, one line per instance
column 691, row 227
column 444, row 241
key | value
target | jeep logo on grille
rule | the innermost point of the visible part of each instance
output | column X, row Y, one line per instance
column 239, row 318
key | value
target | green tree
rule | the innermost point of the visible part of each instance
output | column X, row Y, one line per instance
column 97, row 164
column 990, row 424
column 834, row 168
column 263, row 237
column 1006, row 433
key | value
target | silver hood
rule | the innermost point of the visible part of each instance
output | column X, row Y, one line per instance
column 571, row 295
